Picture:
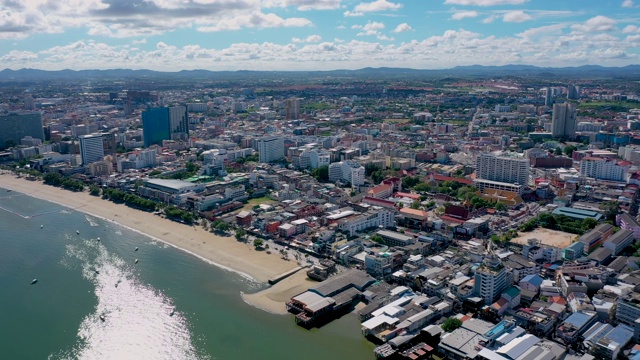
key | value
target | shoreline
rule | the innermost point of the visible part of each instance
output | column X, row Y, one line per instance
column 224, row 252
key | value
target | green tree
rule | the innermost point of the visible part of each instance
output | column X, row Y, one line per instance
column 220, row 225
column 422, row 187
column 558, row 151
column 568, row 150
column 378, row 239
column 321, row 173
column 258, row 243
column 611, row 209
column 94, row 190
column 240, row 234
column 451, row 324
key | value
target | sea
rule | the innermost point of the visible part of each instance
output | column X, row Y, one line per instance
column 92, row 300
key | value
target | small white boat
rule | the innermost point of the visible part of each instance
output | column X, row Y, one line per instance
column 78, row 232
column 41, row 226
column 136, row 261
column 34, row 281
column 102, row 317
column 136, row 249
column 98, row 238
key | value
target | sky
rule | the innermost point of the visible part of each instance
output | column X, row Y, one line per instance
column 174, row 35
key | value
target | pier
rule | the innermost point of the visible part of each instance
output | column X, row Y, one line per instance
column 276, row 279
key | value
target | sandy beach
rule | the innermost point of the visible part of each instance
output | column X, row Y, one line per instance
column 224, row 251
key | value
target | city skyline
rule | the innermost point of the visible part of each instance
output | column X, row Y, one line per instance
column 172, row 35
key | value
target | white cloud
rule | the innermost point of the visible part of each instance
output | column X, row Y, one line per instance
column 378, row 5
column 484, row 2
column 627, row 3
column 629, row 29
column 353, row 14
column 255, row 20
column 516, row 16
column 489, row 19
column 459, row 15
column 304, row 5
column 308, row 39
column 404, row 27
column 598, row 23
column 141, row 41
column 543, row 46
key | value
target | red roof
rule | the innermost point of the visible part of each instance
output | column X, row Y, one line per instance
column 438, row 177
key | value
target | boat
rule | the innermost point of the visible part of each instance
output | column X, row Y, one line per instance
column 34, row 281
column 172, row 312
column 9, row 190
column 78, row 232
column 136, row 249
column 41, row 226
column 97, row 272
column 136, row 261
column 98, row 238
column 102, row 317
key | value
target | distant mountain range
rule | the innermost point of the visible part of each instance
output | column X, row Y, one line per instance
column 586, row 71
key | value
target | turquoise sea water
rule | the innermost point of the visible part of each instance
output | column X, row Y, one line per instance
column 170, row 305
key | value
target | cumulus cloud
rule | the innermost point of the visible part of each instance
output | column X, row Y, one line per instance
column 459, row 15
column 353, row 14
column 378, row 5
column 484, row 2
column 255, row 20
column 629, row 29
column 516, row 16
column 304, row 5
column 627, row 3
column 404, row 27
column 448, row 49
column 595, row 24
column 308, row 39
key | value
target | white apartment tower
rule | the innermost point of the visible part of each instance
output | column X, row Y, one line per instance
column 91, row 148
column 348, row 171
column 563, row 121
column 490, row 279
column 504, row 169
column 271, row 149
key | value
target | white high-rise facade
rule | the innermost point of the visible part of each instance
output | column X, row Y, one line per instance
column 563, row 121
column 490, row 279
column 91, row 148
column 271, row 149
column 348, row 171
column 604, row 169
column 506, row 169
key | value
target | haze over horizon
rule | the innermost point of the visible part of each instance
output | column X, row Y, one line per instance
column 217, row 35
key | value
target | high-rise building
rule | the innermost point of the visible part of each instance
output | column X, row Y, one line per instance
column 490, row 279
column 548, row 97
column 563, row 121
column 348, row 171
column 109, row 144
column 91, row 148
column 506, row 169
column 572, row 92
column 270, row 149
column 155, row 126
column 16, row 126
column 604, row 169
column 29, row 102
column 178, row 123
column 293, row 108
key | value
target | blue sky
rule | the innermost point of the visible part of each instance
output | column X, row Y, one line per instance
column 173, row 35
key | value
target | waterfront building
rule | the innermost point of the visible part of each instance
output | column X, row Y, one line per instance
column 91, row 148
column 155, row 126
column 270, row 149
column 15, row 126
column 563, row 120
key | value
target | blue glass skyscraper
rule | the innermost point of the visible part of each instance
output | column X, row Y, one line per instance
column 155, row 126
